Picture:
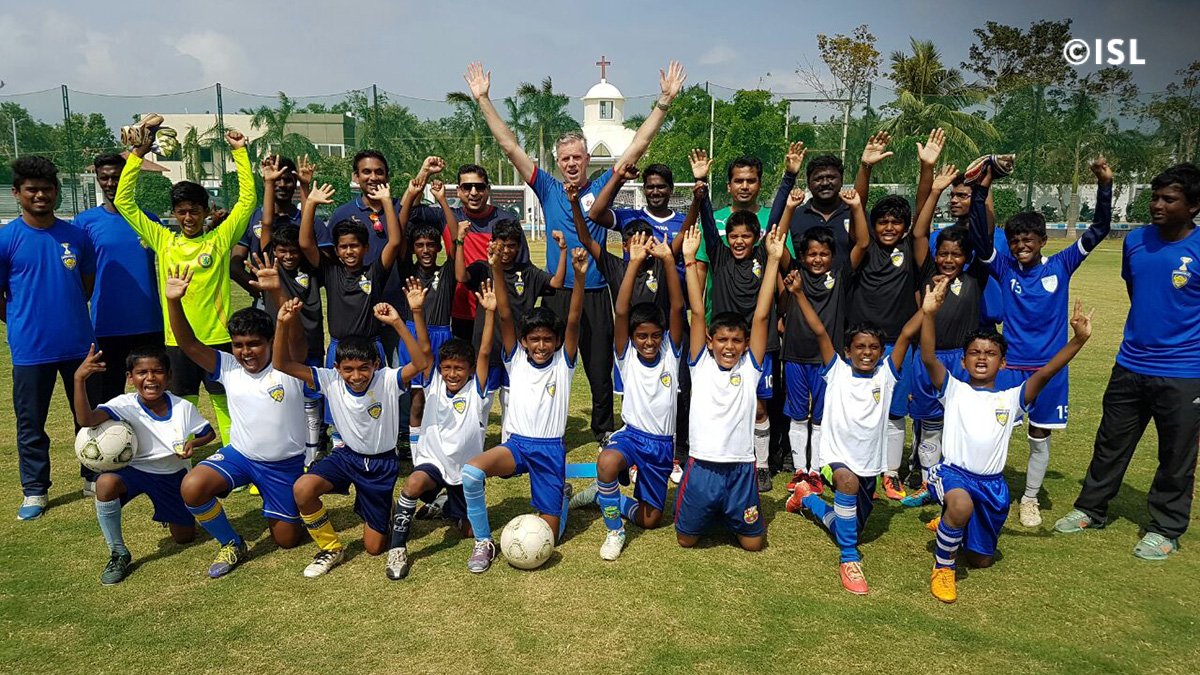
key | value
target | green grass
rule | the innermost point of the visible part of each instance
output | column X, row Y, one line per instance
column 1077, row 603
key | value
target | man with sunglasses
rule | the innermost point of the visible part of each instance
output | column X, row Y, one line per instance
column 474, row 195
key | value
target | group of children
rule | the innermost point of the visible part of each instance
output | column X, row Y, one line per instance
column 842, row 312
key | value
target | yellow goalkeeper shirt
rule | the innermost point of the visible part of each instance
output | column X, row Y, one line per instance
column 206, row 303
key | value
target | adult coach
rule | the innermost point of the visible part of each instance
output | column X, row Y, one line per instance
column 125, row 309
column 572, row 158
column 1157, row 370
column 46, row 272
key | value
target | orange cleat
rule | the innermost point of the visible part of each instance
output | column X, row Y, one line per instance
column 795, row 503
column 943, row 584
column 893, row 488
column 853, row 579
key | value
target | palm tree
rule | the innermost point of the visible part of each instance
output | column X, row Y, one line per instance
column 276, row 136
column 466, row 105
column 537, row 113
column 194, row 142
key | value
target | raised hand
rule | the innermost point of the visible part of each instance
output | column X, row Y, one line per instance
column 572, row 192
column 638, row 248
column 700, row 164
column 486, row 295
column 266, row 275
column 944, row 177
column 691, row 243
column 438, row 189
column 235, row 138
column 850, row 197
column 269, row 167
column 876, row 150
column 415, row 292
column 322, row 194
column 478, row 80
column 1081, row 324
column 626, row 172
column 935, row 295
column 386, row 313
column 579, row 260
column 289, row 310
column 93, row 363
column 670, row 83
column 304, row 171
column 381, row 192
column 662, row 250
column 177, row 282
column 433, row 165
column 794, row 159
column 793, row 282
column 559, row 239
column 464, row 228
column 776, row 237
column 795, row 198
column 932, row 149
column 1103, row 172
column 493, row 253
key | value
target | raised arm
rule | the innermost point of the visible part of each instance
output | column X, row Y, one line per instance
column 270, row 173
column 928, row 155
column 934, row 297
column 907, row 334
column 792, row 161
column 460, row 261
column 581, row 229
column 174, row 289
column 486, row 299
column 876, row 151
column 479, row 82
column 979, row 227
column 763, row 314
column 601, row 211
column 796, row 285
column 395, row 240
column 1081, row 325
column 698, row 341
column 638, row 251
column 579, row 263
column 418, row 346
column 670, row 83
column 438, row 189
column 287, row 322
column 701, row 165
column 85, row 414
column 508, row 328
column 924, row 222
column 266, row 280
column 859, row 228
column 560, row 275
column 308, row 215
column 234, row 226
column 123, row 201
column 408, row 201
column 675, row 320
column 1102, row 218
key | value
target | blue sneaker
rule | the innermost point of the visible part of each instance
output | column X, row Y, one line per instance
column 32, row 507
column 227, row 558
column 922, row 497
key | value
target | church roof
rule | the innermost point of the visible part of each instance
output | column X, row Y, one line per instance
column 603, row 89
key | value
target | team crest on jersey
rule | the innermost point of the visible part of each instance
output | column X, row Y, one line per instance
column 757, row 269
column 846, row 224
column 651, row 282
column 1050, row 283
column 665, row 379
column 586, row 200
column 258, row 230
column 205, row 260
column 519, row 284
column 1181, row 275
column 897, row 258
column 735, row 379
column 956, row 286
column 68, row 257
column 875, row 393
column 215, row 458
column 829, row 281
column 276, row 393
column 302, row 279
column 1002, row 416
column 460, row 405
column 750, row 515
column 551, row 389
column 375, row 410
column 179, row 447
column 364, row 284
column 437, row 279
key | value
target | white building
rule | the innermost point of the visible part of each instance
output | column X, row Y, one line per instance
column 604, row 122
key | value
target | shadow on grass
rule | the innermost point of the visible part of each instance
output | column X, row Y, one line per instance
column 64, row 499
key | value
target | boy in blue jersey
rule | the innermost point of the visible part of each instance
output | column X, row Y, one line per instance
column 168, row 430
column 125, row 309
column 1157, row 370
column 1035, row 309
column 980, row 413
column 44, row 263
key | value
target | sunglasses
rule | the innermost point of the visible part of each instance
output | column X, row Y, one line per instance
column 473, row 187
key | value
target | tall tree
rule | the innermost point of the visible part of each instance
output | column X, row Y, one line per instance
column 539, row 115
column 276, row 137
column 465, row 108
column 853, row 61
column 1177, row 112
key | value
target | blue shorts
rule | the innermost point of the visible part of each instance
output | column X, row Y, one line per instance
column 653, row 455
column 903, row 384
column 373, row 477
column 163, row 491
column 545, row 460
column 866, row 490
column 1049, row 409
column 712, row 490
column 989, row 494
column 766, row 384
column 438, row 335
column 497, row 379
column 805, row 391
column 456, row 501
column 273, row 479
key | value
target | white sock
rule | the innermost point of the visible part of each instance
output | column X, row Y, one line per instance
column 798, row 437
column 929, row 450
column 313, row 415
column 762, row 439
column 815, row 442
column 1039, row 461
column 414, row 436
column 895, row 444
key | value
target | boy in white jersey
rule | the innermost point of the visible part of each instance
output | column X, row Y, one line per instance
column 979, row 420
column 540, row 368
column 648, row 372
column 853, row 443
column 364, row 402
column 267, row 427
column 451, row 434
column 168, row 429
column 726, row 362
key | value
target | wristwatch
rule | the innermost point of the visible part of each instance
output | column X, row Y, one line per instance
column 662, row 106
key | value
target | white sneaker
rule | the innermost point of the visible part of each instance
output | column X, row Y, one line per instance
column 323, row 562
column 1030, row 515
column 677, row 473
column 89, row 488
column 614, row 541
column 32, row 507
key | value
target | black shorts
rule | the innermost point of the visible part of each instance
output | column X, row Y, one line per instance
column 186, row 376
column 456, row 502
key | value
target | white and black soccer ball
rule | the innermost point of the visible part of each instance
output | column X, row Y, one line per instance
column 527, row 542
column 107, row 446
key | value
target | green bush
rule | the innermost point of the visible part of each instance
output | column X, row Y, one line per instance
column 154, row 193
column 1006, row 203
column 1138, row 210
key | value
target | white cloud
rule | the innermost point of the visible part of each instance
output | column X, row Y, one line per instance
column 716, row 55
column 221, row 58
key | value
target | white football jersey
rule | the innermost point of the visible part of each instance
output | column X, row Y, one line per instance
column 538, row 396
column 368, row 422
column 451, row 432
column 978, row 424
column 266, row 411
column 159, row 439
column 650, row 390
column 854, row 428
column 721, row 421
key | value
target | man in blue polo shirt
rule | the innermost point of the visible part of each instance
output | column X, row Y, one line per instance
column 46, row 273
column 125, row 309
column 572, row 158
column 1157, row 370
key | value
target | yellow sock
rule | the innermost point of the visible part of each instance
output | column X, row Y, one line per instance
column 220, row 406
column 321, row 530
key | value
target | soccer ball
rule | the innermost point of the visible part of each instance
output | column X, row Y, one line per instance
column 107, row 446
column 527, row 542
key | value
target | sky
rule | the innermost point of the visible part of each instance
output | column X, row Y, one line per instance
column 420, row 49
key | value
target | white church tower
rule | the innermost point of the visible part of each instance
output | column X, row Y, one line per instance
column 604, row 122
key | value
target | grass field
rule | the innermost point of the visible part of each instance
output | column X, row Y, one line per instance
column 1053, row 603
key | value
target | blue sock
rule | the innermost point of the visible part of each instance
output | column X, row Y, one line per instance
column 472, row 481
column 212, row 518
column 629, row 507
column 948, row 541
column 845, row 525
column 608, row 496
column 820, row 509
column 562, row 514
column 109, row 516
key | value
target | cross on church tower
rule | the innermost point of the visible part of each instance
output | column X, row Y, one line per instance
column 604, row 64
